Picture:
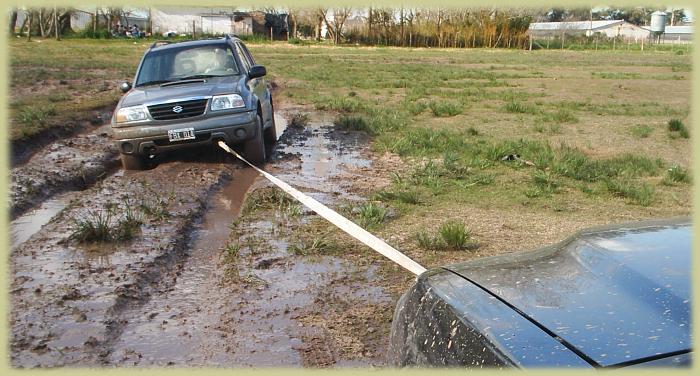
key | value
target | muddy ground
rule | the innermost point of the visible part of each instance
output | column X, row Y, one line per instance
column 199, row 283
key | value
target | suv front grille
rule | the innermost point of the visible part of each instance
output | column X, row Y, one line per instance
column 187, row 109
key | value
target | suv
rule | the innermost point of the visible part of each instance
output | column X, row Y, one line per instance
column 194, row 93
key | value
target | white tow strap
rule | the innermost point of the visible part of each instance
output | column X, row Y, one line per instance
column 341, row 222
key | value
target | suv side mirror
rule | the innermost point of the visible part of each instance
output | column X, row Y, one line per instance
column 257, row 71
column 125, row 86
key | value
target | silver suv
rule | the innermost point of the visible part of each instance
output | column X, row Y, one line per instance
column 194, row 93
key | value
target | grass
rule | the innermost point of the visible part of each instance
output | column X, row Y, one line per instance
column 676, row 174
column 473, row 105
column 678, row 129
column 353, row 123
column 445, row 109
column 317, row 245
column 269, row 198
column 78, row 69
column 641, row 131
column 299, row 120
column 520, row 108
column 639, row 193
column 99, row 226
column 371, row 215
column 452, row 235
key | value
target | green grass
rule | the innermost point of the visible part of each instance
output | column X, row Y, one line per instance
column 638, row 193
column 520, row 108
column 452, row 235
column 371, row 215
column 445, row 109
column 314, row 246
column 99, row 226
column 269, row 198
column 676, row 174
column 641, row 131
column 353, row 123
column 677, row 128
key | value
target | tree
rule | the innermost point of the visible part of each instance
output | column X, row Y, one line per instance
column 13, row 21
column 556, row 15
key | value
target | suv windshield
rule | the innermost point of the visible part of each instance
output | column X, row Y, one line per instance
column 174, row 64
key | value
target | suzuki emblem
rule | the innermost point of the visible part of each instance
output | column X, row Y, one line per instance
column 177, row 109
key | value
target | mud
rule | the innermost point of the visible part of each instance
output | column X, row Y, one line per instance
column 67, row 299
column 199, row 285
column 71, row 164
column 22, row 150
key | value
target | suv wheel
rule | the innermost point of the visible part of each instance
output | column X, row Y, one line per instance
column 254, row 150
column 271, row 132
column 133, row 162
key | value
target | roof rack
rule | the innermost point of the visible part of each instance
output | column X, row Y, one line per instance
column 160, row 43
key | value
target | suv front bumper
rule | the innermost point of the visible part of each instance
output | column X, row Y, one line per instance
column 152, row 138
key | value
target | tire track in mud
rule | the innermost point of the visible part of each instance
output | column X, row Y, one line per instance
column 67, row 299
column 75, row 163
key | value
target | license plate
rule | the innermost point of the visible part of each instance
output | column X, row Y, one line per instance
column 181, row 134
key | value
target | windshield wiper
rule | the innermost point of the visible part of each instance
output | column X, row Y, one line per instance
column 197, row 76
column 154, row 82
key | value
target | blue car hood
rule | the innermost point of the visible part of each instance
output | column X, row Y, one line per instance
column 618, row 295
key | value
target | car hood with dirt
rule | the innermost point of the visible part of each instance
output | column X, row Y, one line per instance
column 610, row 297
column 178, row 90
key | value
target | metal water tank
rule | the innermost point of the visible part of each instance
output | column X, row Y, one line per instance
column 658, row 22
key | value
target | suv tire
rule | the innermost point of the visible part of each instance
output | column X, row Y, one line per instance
column 254, row 150
column 133, row 162
column 271, row 132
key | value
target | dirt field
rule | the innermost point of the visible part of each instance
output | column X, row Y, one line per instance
column 220, row 269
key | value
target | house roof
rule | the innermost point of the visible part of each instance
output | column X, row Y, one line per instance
column 574, row 25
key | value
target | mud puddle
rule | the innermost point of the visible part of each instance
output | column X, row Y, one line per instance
column 278, row 288
column 68, row 298
column 70, row 164
column 189, row 313
column 180, row 326
column 28, row 224
column 313, row 159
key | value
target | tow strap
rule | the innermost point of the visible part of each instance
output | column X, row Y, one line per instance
column 338, row 220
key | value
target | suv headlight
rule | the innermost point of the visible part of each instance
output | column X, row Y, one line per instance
column 226, row 102
column 131, row 114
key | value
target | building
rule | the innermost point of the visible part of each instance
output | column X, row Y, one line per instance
column 677, row 34
column 610, row 29
column 216, row 20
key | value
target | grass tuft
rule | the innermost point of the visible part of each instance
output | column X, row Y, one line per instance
column 641, row 194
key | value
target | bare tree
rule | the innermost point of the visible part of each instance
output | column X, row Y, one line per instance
column 340, row 15
column 30, row 16
column 13, row 21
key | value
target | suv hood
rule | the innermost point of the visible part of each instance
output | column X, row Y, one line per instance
column 619, row 295
column 195, row 88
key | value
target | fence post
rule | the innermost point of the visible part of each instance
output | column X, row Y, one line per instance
column 642, row 44
column 193, row 29
column 530, row 42
column 562, row 41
